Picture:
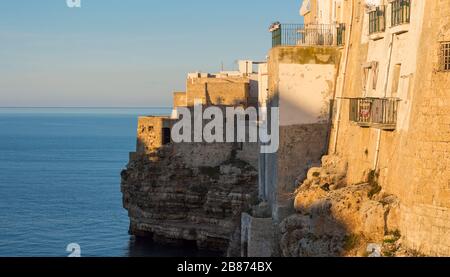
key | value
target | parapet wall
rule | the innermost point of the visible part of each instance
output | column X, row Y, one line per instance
column 231, row 91
column 302, row 83
column 179, row 99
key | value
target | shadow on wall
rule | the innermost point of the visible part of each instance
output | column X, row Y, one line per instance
column 301, row 147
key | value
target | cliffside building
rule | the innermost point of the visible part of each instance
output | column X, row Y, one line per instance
column 388, row 75
column 362, row 90
column 193, row 192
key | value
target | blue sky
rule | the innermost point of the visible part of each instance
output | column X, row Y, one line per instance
column 125, row 53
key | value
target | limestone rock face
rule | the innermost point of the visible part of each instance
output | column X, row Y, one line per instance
column 173, row 202
column 336, row 219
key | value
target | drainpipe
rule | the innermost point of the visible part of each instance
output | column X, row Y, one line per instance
column 341, row 89
column 377, row 150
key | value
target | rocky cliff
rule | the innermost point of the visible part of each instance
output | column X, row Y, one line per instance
column 173, row 198
column 335, row 218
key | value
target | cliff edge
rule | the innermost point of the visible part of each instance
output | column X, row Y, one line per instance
column 189, row 192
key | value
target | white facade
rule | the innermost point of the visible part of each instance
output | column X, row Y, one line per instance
column 263, row 85
column 245, row 66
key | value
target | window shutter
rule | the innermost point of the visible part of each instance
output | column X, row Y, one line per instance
column 375, row 70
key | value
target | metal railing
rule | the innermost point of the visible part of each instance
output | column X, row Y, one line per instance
column 308, row 34
column 377, row 20
column 400, row 12
column 374, row 112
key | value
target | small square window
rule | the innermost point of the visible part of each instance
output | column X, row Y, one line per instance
column 444, row 57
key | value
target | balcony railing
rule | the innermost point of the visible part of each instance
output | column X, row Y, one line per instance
column 377, row 20
column 374, row 112
column 400, row 12
column 307, row 34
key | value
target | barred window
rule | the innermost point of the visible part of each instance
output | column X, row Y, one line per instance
column 400, row 12
column 444, row 59
column 377, row 20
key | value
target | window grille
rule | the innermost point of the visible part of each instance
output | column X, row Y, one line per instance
column 444, row 59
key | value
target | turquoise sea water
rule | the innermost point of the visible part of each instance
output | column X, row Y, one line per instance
column 60, row 182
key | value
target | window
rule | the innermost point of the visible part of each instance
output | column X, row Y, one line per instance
column 374, row 74
column 377, row 20
column 396, row 79
column 340, row 34
column 400, row 12
column 444, row 59
column 166, row 136
column 370, row 77
column 366, row 71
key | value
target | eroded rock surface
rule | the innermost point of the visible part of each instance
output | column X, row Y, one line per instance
column 337, row 219
column 173, row 202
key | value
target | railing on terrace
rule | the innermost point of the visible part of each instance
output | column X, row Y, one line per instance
column 377, row 20
column 400, row 12
column 307, row 34
column 374, row 112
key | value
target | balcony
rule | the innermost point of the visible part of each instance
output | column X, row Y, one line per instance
column 307, row 35
column 380, row 113
column 377, row 20
column 400, row 12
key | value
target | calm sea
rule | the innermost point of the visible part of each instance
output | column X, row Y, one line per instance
column 60, row 182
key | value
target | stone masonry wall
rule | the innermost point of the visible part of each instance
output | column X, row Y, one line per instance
column 150, row 133
column 426, row 188
column 301, row 84
column 414, row 160
column 230, row 91
column 179, row 99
